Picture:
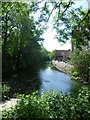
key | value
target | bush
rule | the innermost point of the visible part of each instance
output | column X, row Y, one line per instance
column 51, row 105
column 74, row 73
column 81, row 62
column 5, row 92
column 0, row 92
column 52, row 55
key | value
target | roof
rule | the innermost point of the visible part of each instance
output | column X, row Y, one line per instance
column 62, row 53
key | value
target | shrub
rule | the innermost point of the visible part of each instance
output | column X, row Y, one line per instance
column 74, row 72
column 51, row 105
column 81, row 62
column 0, row 92
column 5, row 92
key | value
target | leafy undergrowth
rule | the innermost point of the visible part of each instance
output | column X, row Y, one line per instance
column 5, row 92
column 51, row 105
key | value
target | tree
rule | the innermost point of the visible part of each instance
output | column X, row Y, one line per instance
column 20, row 39
column 81, row 62
column 11, row 13
column 10, row 16
column 80, row 33
column 44, row 54
column 21, row 32
column 52, row 54
column 65, row 17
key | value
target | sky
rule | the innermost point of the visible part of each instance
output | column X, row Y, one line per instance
column 50, row 43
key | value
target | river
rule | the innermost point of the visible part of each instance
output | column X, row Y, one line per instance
column 44, row 79
column 52, row 79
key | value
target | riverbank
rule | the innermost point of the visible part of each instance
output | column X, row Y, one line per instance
column 65, row 67
column 49, row 77
column 62, row 66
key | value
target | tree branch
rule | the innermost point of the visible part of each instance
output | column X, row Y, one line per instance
column 60, row 6
column 9, row 10
column 84, row 17
column 37, row 3
column 59, row 10
column 3, row 37
column 66, row 7
column 10, row 31
column 52, row 11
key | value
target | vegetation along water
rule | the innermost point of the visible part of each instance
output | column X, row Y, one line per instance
column 43, row 91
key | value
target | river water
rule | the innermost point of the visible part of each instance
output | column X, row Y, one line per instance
column 52, row 79
column 45, row 78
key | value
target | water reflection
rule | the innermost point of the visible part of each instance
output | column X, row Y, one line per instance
column 55, row 80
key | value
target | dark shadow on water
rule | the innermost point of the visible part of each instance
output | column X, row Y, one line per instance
column 25, row 83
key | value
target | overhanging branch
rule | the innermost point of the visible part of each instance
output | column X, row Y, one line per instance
column 66, row 7
column 52, row 11
column 37, row 3
column 59, row 9
column 84, row 17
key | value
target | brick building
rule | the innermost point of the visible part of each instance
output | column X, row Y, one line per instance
column 62, row 55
